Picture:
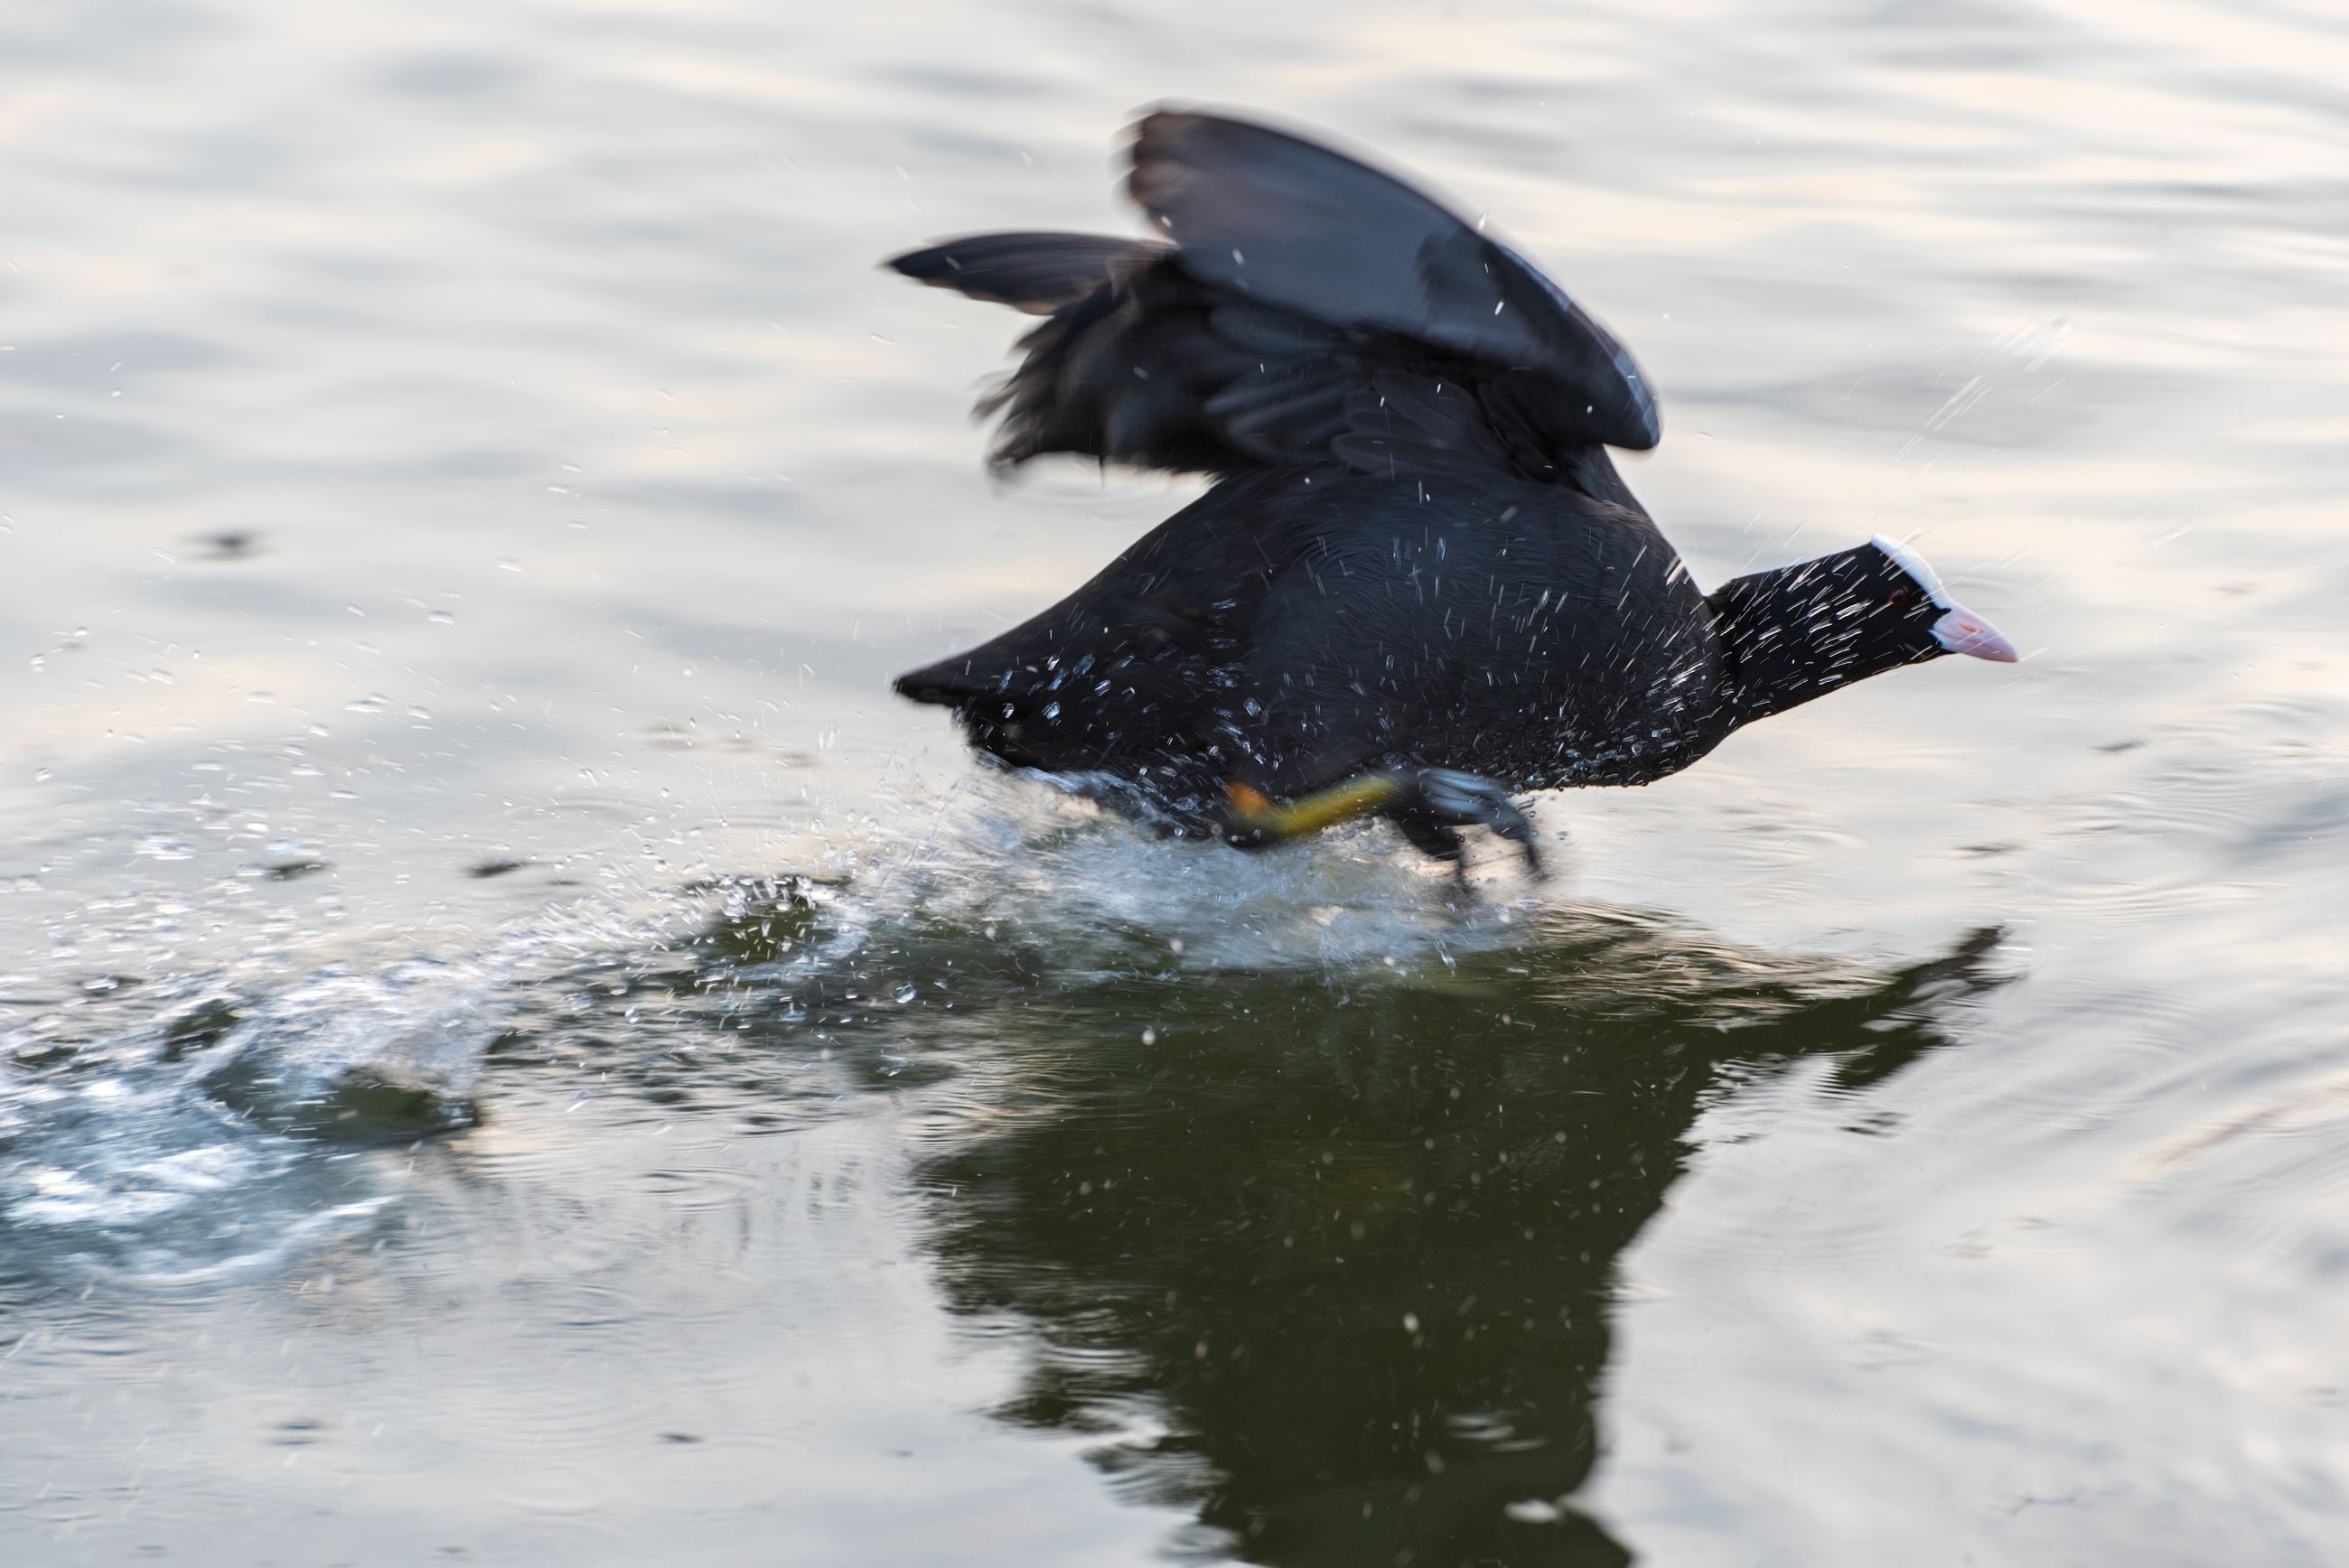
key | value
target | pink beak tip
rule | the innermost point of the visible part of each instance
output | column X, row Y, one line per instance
column 1961, row 631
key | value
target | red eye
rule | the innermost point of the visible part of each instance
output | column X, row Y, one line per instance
column 1898, row 597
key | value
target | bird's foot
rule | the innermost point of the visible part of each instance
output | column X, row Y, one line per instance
column 1438, row 800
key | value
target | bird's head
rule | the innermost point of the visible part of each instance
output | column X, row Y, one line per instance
column 1901, row 606
column 1796, row 633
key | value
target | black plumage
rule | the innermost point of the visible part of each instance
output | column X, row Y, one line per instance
column 1418, row 564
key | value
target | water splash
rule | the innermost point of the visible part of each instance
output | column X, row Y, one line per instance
column 171, row 1132
column 166, row 1129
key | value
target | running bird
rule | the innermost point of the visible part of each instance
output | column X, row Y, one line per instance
column 1418, row 586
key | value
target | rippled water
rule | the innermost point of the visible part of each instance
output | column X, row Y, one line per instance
column 517, row 1050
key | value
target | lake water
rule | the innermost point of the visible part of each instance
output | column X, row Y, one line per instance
column 518, row 1051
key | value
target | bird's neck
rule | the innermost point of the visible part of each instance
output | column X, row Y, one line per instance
column 1778, row 638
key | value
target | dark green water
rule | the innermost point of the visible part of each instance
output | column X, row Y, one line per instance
column 513, row 1049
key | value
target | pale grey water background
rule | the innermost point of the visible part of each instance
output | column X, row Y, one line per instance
column 435, row 437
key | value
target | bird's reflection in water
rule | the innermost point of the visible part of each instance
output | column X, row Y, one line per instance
column 1349, row 1261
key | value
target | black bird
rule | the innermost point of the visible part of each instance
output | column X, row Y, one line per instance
column 1418, row 584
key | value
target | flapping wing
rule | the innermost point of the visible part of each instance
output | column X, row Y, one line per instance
column 1304, row 299
column 1288, row 222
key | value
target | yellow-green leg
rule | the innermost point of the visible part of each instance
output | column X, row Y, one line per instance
column 1264, row 820
column 1426, row 802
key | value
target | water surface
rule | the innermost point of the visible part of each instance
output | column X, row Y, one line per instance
column 516, row 1050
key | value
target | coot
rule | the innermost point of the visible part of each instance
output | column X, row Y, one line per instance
column 1418, row 586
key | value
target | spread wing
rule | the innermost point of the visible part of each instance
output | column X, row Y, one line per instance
column 1304, row 306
